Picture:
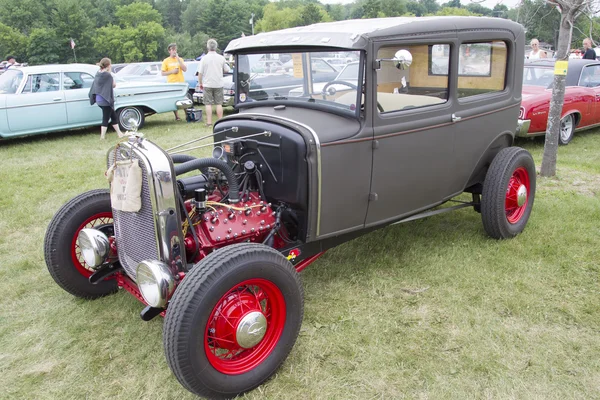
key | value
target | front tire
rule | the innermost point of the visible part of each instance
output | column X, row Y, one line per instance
column 508, row 193
column 126, row 114
column 63, row 257
column 567, row 128
column 233, row 320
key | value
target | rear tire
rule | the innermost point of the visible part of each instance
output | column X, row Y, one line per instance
column 567, row 129
column 64, row 261
column 240, row 285
column 508, row 193
column 125, row 114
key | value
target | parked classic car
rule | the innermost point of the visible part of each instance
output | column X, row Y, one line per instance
column 150, row 72
column 48, row 98
column 581, row 106
column 218, row 252
column 272, row 84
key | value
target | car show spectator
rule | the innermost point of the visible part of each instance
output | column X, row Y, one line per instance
column 536, row 53
column 10, row 61
column 173, row 68
column 210, row 78
column 102, row 93
column 589, row 53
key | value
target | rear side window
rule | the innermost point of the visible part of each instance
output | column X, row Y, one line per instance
column 412, row 87
column 481, row 68
column 42, row 83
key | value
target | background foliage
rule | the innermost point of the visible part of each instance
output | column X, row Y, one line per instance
column 39, row 31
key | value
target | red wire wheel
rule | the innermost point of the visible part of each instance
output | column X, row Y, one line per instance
column 62, row 254
column 233, row 320
column 101, row 220
column 508, row 193
column 257, row 304
column 517, row 195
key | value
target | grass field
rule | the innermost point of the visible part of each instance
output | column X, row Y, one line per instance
column 431, row 309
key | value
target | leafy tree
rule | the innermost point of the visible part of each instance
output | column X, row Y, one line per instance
column 415, row 8
column 392, row 8
column 45, row 47
column 477, row 8
column 310, row 14
column 137, row 37
column 70, row 21
column 191, row 19
column 430, row 5
column 371, row 8
column 452, row 4
column 24, row 15
column 337, row 12
column 171, row 11
column 137, row 13
column 13, row 43
column 274, row 19
column 455, row 11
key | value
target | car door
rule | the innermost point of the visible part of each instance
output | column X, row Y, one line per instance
column 413, row 149
column 39, row 106
column 590, row 78
column 76, row 86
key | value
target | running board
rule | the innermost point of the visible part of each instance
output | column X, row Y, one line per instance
column 434, row 212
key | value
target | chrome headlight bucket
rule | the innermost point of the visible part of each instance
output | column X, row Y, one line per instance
column 94, row 246
column 155, row 281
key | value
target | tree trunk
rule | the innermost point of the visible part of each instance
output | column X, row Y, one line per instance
column 558, row 96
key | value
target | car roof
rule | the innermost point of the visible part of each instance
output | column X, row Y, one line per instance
column 356, row 34
column 49, row 68
column 573, row 71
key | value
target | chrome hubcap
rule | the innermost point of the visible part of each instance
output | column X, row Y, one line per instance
column 251, row 329
column 521, row 195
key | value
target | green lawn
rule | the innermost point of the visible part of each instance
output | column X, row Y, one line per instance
column 431, row 309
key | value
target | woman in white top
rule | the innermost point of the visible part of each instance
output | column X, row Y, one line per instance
column 536, row 53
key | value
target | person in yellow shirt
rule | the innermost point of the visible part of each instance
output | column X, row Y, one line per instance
column 173, row 68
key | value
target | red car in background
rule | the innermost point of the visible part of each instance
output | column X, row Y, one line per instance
column 581, row 108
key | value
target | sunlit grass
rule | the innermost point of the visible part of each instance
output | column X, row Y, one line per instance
column 428, row 309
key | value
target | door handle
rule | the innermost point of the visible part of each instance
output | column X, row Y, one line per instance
column 57, row 99
column 455, row 118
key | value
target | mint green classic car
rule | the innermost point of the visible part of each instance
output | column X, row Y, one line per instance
column 48, row 98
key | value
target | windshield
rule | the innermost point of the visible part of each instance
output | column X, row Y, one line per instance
column 285, row 77
column 538, row 76
column 10, row 81
column 131, row 69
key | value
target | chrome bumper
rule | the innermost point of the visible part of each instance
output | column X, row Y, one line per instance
column 523, row 127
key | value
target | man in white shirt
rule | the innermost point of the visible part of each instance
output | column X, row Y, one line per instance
column 210, row 77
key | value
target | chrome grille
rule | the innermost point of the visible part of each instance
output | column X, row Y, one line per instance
column 134, row 232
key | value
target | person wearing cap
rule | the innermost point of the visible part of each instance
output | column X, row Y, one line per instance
column 173, row 68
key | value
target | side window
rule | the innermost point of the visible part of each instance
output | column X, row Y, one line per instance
column 590, row 76
column 42, row 83
column 77, row 80
column 413, row 87
column 481, row 68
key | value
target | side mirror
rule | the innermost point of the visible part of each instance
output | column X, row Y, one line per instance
column 402, row 59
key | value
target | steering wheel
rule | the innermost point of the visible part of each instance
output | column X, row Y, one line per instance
column 333, row 90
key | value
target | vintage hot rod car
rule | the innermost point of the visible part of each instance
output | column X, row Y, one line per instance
column 215, row 244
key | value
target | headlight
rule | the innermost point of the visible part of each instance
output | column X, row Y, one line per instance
column 155, row 282
column 94, row 246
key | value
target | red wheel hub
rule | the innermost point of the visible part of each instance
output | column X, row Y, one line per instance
column 244, row 326
column 517, row 195
column 95, row 221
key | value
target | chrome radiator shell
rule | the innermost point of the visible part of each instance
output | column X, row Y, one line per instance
column 154, row 232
